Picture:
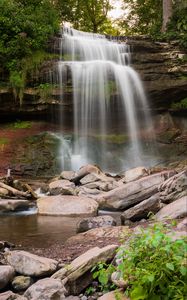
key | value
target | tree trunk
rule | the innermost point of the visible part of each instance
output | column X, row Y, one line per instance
column 166, row 13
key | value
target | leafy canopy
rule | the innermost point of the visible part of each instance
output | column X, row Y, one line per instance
column 87, row 15
column 24, row 28
column 142, row 17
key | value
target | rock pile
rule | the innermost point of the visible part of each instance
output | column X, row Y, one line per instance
column 135, row 194
column 24, row 273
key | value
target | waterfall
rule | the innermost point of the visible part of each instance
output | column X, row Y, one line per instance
column 108, row 98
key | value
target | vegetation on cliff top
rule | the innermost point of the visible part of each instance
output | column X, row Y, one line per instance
column 25, row 28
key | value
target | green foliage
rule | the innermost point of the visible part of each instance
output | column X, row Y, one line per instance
column 177, row 28
column 90, row 290
column 103, row 272
column 17, row 81
column 19, row 125
column 143, row 17
column 154, row 265
column 87, row 15
column 180, row 105
column 25, row 28
column 45, row 90
column 22, row 124
column 3, row 141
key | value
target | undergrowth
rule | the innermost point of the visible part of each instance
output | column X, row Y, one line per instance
column 152, row 263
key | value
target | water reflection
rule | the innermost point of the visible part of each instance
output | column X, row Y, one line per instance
column 36, row 231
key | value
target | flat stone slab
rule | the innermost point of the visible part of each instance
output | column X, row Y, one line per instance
column 7, row 205
column 65, row 205
column 133, row 192
column 75, row 276
column 142, row 209
column 174, row 210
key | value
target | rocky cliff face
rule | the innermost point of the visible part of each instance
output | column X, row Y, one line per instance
column 162, row 68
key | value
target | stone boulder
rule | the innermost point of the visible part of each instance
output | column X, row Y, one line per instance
column 68, row 175
column 182, row 225
column 30, row 264
column 89, row 192
column 142, row 209
column 7, row 205
column 174, row 210
column 134, row 174
column 3, row 192
column 64, row 187
column 6, row 275
column 134, row 192
column 113, row 296
column 90, row 178
column 11, row 296
column 83, row 171
column 95, row 222
column 46, row 289
column 75, row 275
column 67, row 206
column 21, row 283
column 174, row 188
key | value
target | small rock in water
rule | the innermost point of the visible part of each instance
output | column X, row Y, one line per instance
column 95, row 222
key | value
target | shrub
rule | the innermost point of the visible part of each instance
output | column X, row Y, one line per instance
column 154, row 265
column 180, row 105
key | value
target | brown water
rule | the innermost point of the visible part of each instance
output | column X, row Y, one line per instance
column 36, row 231
column 27, row 229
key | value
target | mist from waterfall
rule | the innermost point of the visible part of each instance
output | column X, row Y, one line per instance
column 106, row 91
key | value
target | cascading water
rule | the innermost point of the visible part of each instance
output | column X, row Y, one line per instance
column 108, row 99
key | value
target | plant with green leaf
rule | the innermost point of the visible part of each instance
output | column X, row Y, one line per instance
column 154, row 265
column 103, row 272
column 180, row 105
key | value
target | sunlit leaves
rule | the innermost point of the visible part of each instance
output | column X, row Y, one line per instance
column 154, row 265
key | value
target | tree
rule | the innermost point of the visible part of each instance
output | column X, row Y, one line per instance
column 25, row 28
column 87, row 15
column 96, row 11
column 167, row 9
column 141, row 17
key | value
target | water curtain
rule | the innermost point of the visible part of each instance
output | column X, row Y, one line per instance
column 108, row 97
